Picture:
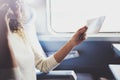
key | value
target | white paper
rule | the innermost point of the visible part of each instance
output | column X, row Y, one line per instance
column 95, row 24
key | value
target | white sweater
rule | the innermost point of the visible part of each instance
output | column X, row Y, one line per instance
column 29, row 56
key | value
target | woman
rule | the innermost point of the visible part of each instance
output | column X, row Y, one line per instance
column 18, row 55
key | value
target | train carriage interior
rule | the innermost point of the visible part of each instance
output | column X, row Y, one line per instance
column 55, row 21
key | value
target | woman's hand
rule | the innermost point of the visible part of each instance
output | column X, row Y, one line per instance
column 4, row 20
column 79, row 36
column 76, row 39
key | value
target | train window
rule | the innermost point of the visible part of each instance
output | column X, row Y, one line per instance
column 69, row 15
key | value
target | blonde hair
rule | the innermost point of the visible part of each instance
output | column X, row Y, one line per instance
column 16, row 25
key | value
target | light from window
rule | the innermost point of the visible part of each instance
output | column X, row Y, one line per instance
column 69, row 15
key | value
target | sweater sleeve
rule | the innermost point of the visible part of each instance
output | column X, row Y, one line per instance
column 44, row 64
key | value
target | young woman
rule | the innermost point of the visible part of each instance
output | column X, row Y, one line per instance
column 18, row 55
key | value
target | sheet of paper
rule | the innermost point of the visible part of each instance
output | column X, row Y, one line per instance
column 95, row 24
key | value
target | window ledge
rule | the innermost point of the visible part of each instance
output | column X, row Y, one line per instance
column 90, row 37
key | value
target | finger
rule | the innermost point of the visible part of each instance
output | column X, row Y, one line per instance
column 82, row 36
column 7, row 17
column 83, row 29
column 81, row 32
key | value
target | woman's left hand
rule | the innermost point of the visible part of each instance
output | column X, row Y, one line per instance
column 79, row 36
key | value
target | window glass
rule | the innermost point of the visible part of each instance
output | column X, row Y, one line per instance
column 69, row 15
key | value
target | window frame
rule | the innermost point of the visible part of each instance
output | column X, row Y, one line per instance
column 50, row 28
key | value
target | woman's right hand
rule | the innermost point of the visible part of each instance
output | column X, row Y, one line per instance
column 76, row 39
column 5, row 11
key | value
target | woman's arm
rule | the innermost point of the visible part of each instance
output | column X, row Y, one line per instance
column 60, row 55
column 46, row 64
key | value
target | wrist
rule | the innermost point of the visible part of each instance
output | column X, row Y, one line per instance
column 71, row 43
